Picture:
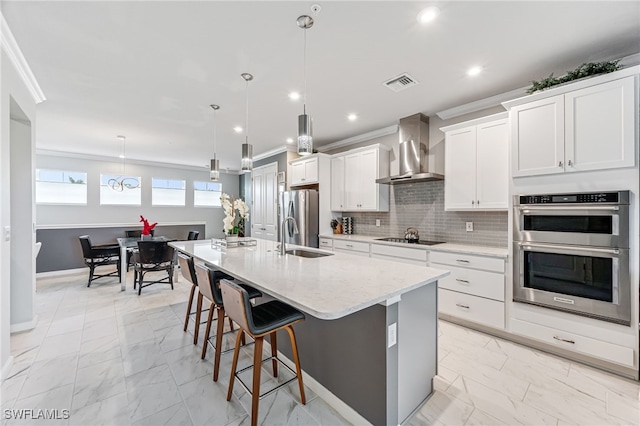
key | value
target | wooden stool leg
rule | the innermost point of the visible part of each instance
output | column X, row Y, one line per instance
column 274, row 353
column 186, row 319
column 198, row 314
column 294, row 349
column 219, row 333
column 257, row 368
column 207, row 331
column 234, row 365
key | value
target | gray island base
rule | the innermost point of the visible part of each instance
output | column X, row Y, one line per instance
column 370, row 334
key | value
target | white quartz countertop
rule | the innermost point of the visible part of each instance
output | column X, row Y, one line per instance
column 328, row 287
column 450, row 247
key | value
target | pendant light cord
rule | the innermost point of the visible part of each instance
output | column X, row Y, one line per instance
column 214, row 133
column 247, row 121
column 124, row 156
column 304, row 72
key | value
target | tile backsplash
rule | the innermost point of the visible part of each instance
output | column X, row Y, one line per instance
column 421, row 205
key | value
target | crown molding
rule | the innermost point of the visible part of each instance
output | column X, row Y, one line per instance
column 275, row 151
column 481, row 104
column 389, row 130
column 10, row 46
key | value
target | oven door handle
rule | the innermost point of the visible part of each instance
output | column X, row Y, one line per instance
column 613, row 251
column 528, row 209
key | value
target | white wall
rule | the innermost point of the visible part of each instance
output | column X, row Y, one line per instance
column 11, row 87
column 93, row 213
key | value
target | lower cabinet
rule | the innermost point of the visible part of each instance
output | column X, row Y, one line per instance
column 474, row 291
column 399, row 254
column 326, row 243
column 354, row 247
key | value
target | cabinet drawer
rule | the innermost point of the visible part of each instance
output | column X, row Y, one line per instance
column 471, row 281
column 403, row 252
column 351, row 246
column 471, row 308
column 574, row 342
column 493, row 264
column 326, row 243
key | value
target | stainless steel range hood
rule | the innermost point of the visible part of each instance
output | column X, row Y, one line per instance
column 413, row 152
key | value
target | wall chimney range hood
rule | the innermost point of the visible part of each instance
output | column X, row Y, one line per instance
column 413, row 152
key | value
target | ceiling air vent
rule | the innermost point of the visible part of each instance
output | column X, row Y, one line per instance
column 401, row 82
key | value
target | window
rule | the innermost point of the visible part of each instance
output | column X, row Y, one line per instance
column 207, row 194
column 167, row 192
column 128, row 195
column 61, row 187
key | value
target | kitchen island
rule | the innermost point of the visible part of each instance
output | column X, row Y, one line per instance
column 370, row 335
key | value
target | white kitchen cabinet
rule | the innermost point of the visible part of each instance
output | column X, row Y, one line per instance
column 588, row 127
column 475, row 289
column 477, row 164
column 362, row 166
column 337, row 184
column 264, row 207
column 414, row 256
column 326, row 243
column 354, row 247
column 304, row 171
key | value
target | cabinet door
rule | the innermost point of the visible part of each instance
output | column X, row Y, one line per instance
column 599, row 126
column 337, row 184
column 297, row 173
column 352, row 182
column 460, row 169
column 537, row 137
column 492, row 165
column 270, row 202
column 368, row 187
column 257, row 204
column 311, row 171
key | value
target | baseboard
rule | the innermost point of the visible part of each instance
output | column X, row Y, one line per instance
column 349, row 414
column 61, row 272
column 24, row 326
column 6, row 368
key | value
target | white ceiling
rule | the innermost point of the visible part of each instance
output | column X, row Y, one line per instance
column 149, row 70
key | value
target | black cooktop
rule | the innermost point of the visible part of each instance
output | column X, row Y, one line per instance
column 403, row 241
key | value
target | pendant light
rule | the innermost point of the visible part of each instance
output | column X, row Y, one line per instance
column 123, row 182
column 247, row 148
column 305, row 133
column 214, row 172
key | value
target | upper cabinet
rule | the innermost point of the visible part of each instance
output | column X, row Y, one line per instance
column 579, row 127
column 353, row 180
column 304, row 171
column 477, row 164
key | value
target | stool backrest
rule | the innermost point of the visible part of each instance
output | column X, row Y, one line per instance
column 202, row 274
column 187, row 268
column 236, row 303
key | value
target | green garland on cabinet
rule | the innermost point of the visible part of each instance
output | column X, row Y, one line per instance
column 584, row 70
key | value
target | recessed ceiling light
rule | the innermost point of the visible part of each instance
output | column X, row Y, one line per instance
column 428, row 14
column 473, row 71
column 289, row 140
column 237, row 129
column 352, row 117
column 294, row 96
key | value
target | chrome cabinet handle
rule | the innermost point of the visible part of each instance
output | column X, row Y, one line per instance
column 462, row 261
column 459, row 305
column 349, row 245
column 478, row 202
column 559, row 163
column 462, row 281
column 564, row 340
column 473, row 202
column 570, row 164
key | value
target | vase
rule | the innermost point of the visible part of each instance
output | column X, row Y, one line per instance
column 233, row 238
column 145, row 237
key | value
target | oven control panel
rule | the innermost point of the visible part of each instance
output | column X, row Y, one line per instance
column 618, row 197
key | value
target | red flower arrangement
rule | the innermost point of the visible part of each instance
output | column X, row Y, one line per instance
column 146, row 230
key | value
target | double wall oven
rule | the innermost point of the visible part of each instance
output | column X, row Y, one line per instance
column 571, row 253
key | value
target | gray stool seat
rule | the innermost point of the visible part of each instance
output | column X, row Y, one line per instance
column 272, row 315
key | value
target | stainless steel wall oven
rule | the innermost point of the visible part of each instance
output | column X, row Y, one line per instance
column 571, row 253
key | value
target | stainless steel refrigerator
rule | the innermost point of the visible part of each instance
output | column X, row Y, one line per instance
column 302, row 205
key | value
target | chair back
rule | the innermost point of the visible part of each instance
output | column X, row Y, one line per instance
column 137, row 233
column 154, row 252
column 205, row 286
column 85, row 242
column 236, row 303
column 193, row 235
column 187, row 268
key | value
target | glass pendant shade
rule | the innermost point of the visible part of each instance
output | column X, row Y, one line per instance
column 305, row 136
column 247, row 157
column 214, row 172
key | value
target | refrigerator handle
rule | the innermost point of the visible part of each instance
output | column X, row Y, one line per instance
column 289, row 224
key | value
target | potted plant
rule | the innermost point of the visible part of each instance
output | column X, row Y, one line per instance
column 236, row 212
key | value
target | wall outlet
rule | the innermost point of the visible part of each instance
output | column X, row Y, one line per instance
column 392, row 337
column 377, row 222
column 7, row 233
column 469, row 226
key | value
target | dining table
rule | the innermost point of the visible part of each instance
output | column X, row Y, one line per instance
column 128, row 244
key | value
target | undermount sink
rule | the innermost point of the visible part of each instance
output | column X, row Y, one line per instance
column 307, row 253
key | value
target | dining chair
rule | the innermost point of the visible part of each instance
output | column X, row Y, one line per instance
column 193, row 235
column 100, row 255
column 153, row 256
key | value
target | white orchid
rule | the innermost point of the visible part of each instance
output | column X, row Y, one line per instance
column 230, row 205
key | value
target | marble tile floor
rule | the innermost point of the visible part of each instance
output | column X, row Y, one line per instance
column 111, row 357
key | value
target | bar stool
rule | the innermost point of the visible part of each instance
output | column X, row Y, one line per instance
column 187, row 268
column 214, row 295
column 259, row 321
